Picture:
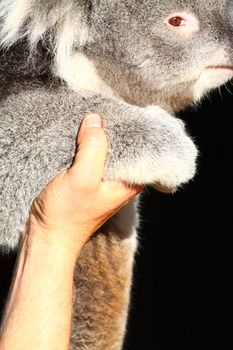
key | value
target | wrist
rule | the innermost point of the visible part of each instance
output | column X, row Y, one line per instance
column 52, row 243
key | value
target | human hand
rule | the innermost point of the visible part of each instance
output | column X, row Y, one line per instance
column 77, row 202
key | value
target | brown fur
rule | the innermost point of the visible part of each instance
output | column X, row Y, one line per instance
column 102, row 289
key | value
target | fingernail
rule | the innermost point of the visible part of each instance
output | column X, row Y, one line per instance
column 93, row 120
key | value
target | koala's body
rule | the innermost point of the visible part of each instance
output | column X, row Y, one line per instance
column 136, row 63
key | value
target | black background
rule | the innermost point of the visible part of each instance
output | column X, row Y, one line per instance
column 179, row 284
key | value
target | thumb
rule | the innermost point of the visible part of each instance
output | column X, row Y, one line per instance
column 88, row 165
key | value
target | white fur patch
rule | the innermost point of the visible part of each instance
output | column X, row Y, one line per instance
column 76, row 69
column 79, row 73
column 210, row 79
column 70, row 30
column 13, row 15
column 20, row 18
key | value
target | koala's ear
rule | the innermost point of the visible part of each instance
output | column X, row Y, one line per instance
column 64, row 21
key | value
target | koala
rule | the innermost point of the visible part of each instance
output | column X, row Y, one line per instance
column 136, row 63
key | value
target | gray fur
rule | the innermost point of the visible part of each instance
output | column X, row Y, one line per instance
column 151, row 73
column 37, row 145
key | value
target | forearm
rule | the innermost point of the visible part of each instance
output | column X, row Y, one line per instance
column 38, row 314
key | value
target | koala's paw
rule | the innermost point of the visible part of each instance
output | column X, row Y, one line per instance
column 158, row 152
column 176, row 162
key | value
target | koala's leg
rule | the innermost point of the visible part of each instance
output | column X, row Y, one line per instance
column 102, row 285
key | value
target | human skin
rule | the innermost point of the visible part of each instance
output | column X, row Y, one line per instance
column 64, row 216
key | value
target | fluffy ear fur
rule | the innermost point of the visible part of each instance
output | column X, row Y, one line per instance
column 64, row 20
column 63, row 24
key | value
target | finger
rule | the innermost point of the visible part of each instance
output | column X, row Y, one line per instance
column 88, row 166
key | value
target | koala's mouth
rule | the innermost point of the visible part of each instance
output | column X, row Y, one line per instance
column 221, row 67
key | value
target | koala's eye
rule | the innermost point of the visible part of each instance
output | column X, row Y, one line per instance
column 182, row 23
column 176, row 21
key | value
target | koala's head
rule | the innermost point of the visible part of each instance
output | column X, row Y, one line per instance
column 168, row 52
